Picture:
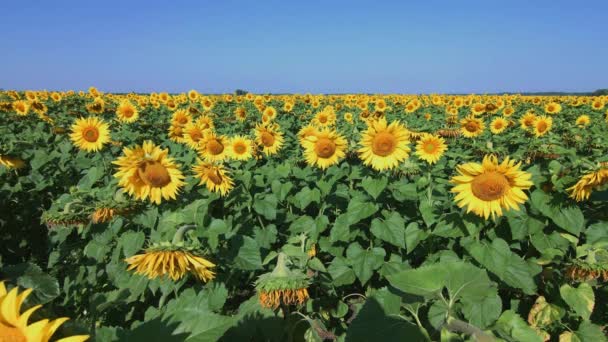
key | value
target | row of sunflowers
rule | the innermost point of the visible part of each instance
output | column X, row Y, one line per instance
column 132, row 212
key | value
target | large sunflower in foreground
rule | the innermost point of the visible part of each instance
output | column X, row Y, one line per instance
column 14, row 326
column 471, row 127
column 488, row 188
column 89, row 134
column 430, row 148
column 214, row 177
column 147, row 171
column 324, row 149
column 384, row 146
column 270, row 138
column 585, row 186
column 127, row 112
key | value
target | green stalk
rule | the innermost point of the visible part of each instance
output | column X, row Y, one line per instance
column 179, row 235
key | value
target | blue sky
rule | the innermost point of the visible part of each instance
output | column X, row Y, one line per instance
column 308, row 46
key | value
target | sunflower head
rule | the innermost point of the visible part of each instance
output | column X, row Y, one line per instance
column 282, row 286
column 488, row 188
column 383, row 145
column 215, row 177
column 471, row 127
column 430, row 148
column 240, row 148
column 269, row 138
column 542, row 125
column 325, row 148
column 90, row 134
column 127, row 112
column 498, row 125
column 583, row 120
column 11, row 162
column 213, row 147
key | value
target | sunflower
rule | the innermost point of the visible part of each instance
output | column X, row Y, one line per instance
column 56, row 97
column 193, row 134
column 326, row 117
column 270, row 113
column 146, row 171
column 11, row 162
column 553, row 108
column 181, row 117
column 489, row 187
column 348, row 117
column 590, row 181
column 127, row 112
column 384, row 146
column 21, row 107
column 324, row 149
column 240, row 148
column 288, row 107
column 213, row 147
column 205, row 122
column 14, row 325
column 90, row 134
column 282, row 286
column 193, row 95
column 471, row 127
column 478, row 109
column 176, row 133
column 269, row 138
column 430, row 148
column 597, row 104
column 214, row 177
column 508, row 111
column 498, row 125
column 305, row 132
column 171, row 261
column 527, row 120
column 542, row 125
column 207, row 103
column 39, row 108
column 583, row 120
column 240, row 113
column 97, row 106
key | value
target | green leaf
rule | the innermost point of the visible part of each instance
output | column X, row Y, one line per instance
column 131, row 242
column 482, row 313
column 302, row 224
column 28, row 275
column 422, row 281
column 568, row 218
column 341, row 229
column 248, row 256
column 281, row 190
column 391, row 230
column 522, row 224
column 266, row 205
column 428, row 211
column 365, row 261
column 413, row 236
column 374, row 186
column 510, row 324
column 306, row 196
column 374, row 323
column 341, row 272
column 581, row 299
column 589, row 332
column 359, row 209
column 498, row 258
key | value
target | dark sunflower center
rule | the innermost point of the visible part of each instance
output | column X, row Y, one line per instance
column 384, row 143
column 498, row 125
column 471, row 126
column 214, row 176
column 325, row 148
column 551, row 108
column 322, row 119
column 541, row 126
column 90, row 134
column 182, row 120
column 154, row 174
column 11, row 334
column 215, row 147
column 240, row 148
column 196, row 135
column 267, row 139
column 490, row 186
column 490, row 107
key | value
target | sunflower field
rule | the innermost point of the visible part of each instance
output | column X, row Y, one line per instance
column 193, row 217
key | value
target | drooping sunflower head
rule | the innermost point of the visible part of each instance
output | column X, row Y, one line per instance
column 90, row 134
column 583, row 120
column 127, row 112
column 173, row 261
column 213, row 147
column 488, row 188
column 498, row 125
column 430, row 148
column 471, row 127
column 215, row 177
column 325, row 148
column 581, row 191
column 542, row 125
column 269, row 138
column 383, row 145
column 147, row 172
column 282, row 286
column 240, row 148
column 11, row 162
column 14, row 326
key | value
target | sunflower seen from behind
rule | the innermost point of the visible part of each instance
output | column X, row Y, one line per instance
column 90, row 134
column 488, row 187
column 430, row 148
column 383, row 145
column 269, row 138
column 148, row 173
column 325, row 148
column 214, row 177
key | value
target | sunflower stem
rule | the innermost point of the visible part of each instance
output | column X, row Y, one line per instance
column 281, row 269
column 179, row 235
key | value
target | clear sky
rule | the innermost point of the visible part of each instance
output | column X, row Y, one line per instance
column 305, row 46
